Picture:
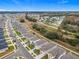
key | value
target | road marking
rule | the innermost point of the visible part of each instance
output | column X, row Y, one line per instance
column 62, row 55
column 36, row 40
column 43, row 44
column 46, row 52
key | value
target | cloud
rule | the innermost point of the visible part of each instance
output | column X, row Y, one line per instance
column 1, row 9
column 4, row 10
column 63, row 1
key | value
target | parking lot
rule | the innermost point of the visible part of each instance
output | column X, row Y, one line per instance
column 43, row 44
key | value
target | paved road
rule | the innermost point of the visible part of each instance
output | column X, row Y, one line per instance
column 27, row 35
column 21, row 51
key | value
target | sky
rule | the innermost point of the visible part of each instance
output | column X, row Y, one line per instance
column 39, row 5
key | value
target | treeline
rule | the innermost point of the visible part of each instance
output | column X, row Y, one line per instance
column 46, row 33
column 55, row 35
column 70, row 26
column 72, row 42
column 31, row 19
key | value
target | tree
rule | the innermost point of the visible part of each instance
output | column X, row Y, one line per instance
column 43, row 30
column 73, row 42
column 52, row 35
column 34, row 26
column 77, row 36
column 22, row 20
column 31, row 19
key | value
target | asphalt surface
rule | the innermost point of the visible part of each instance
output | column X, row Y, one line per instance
column 42, row 44
column 21, row 51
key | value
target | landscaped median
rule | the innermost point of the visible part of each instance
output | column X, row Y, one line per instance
column 24, row 40
column 37, row 51
column 11, row 46
column 45, row 57
column 17, row 32
column 19, row 57
column 30, row 46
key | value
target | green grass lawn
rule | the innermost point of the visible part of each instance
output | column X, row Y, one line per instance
column 27, row 48
column 37, row 51
column 6, row 36
column 24, row 39
column 9, row 42
column 5, row 33
column 19, row 57
column 31, row 46
column 11, row 48
column 20, row 40
column 45, row 57
column 18, row 33
column 77, row 33
column 15, row 58
column 7, row 39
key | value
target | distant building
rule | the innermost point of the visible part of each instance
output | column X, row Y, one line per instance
column 36, row 16
column 72, row 19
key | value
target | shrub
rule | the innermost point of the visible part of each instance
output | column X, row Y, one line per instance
column 31, row 19
column 31, row 46
column 22, row 20
column 45, row 57
column 52, row 35
column 46, row 33
column 37, row 51
column 73, row 42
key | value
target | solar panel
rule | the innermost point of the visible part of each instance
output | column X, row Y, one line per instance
column 1, row 37
column 3, row 46
column 3, row 43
